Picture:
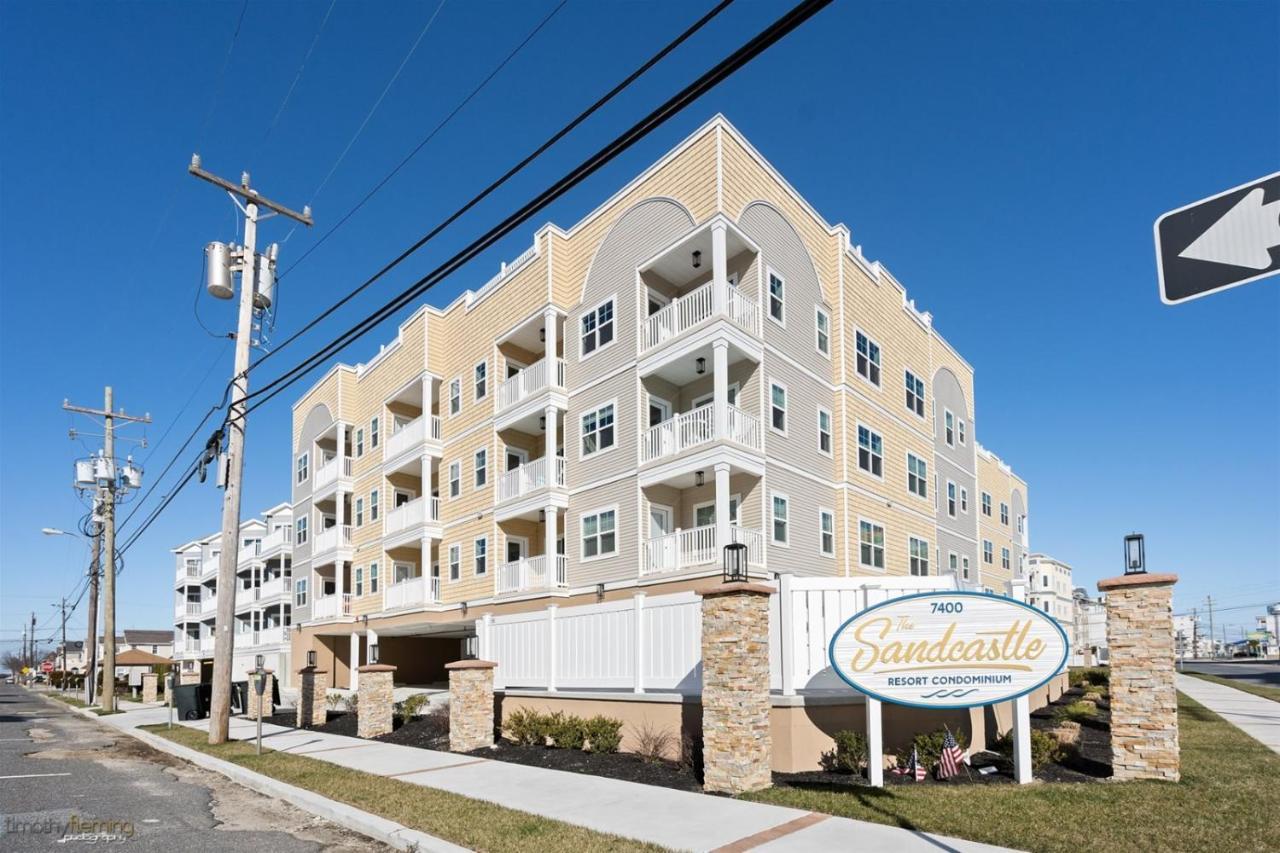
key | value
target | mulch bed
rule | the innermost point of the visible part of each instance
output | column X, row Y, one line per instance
column 619, row 765
column 338, row 723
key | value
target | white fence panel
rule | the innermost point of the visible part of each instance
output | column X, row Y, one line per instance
column 519, row 646
column 595, row 646
column 673, row 648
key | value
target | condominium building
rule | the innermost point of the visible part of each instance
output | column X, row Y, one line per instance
column 701, row 360
column 264, row 593
column 1089, row 629
column 1049, row 587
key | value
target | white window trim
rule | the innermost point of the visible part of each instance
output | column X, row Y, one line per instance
column 482, row 363
column 703, row 399
column 858, row 448
column 599, row 451
column 375, row 432
column 924, row 401
column 822, row 510
column 488, row 556
column 449, row 396
column 617, row 534
column 786, row 409
column 357, row 510
column 951, row 442
column 818, row 311
column 858, row 542
column 599, row 347
column 773, row 542
column 952, row 487
column 871, row 341
column 450, row 478
column 475, row 469
column 907, row 461
column 964, row 500
column 449, row 561
column 768, row 296
column 962, row 432
column 928, row 559
column 358, row 442
column 831, row 439
column 701, row 504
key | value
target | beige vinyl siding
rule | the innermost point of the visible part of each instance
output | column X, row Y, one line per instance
column 805, row 496
column 623, row 495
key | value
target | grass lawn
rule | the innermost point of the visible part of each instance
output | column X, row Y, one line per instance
column 1228, row 799
column 67, row 698
column 1272, row 693
column 471, row 823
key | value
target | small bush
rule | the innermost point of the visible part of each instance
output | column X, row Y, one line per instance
column 928, row 747
column 436, row 721
column 412, row 706
column 353, row 703
column 566, row 731
column 333, row 700
column 1045, row 748
column 1075, row 711
column 849, row 755
column 653, row 743
column 526, row 727
column 604, row 734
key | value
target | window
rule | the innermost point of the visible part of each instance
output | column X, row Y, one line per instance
column 949, row 427
column 964, row 500
column 781, row 512
column 359, row 443
column 871, row 544
column 482, row 380
column 777, row 288
column 951, row 499
column 987, row 551
column 373, row 578
column 1004, row 563
column 986, row 504
column 964, row 570
column 482, row 467
column 827, row 532
column 705, row 514
column 455, row 562
column 953, row 562
column 1022, row 524
column 599, row 534
column 778, row 407
column 870, row 451
column 960, row 429
column 824, row 431
column 822, row 324
column 373, row 505
column 300, row 592
column 917, row 476
column 868, row 358
column 303, row 468
column 597, row 430
column 359, row 581
column 915, row 394
column 455, row 479
column 481, row 549
column 373, row 433
column 1004, row 514
column 918, row 551
column 597, row 327
column 300, row 531
column 359, row 512
column 455, row 396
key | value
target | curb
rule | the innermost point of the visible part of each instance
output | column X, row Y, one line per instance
column 378, row 828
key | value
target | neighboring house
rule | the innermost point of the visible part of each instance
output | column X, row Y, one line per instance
column 263, row 595
column 1049, row 587
column 1089, row 631
column 77, row 659
column 1002, row 524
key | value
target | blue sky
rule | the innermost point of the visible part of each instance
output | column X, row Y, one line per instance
column 1006, row 161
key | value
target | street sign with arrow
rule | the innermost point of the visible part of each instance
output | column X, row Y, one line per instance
column 1222, row 241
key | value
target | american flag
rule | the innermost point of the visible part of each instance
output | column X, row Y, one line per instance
column 915, row 769
column 951, row 759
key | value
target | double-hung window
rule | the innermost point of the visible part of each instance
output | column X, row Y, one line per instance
column 871, row 544
column 824, row 431
column 917, row 476
column 778, row 407
column 482, row 380
column 781, row 519
column 359, row 443
column 918, row 553
column 597, row 327
column 455, row 562
column 826, row 532
column 915, row 394
column 964, row 570
column 359, row 581
column 988, row 551
column 777, row 295
column 986, row 504
column 964, row 500
column 951, row 499
column 303, row 468
column 960, row 429
column 482, row 467
column 1004, row 514
column 359, row 512
column 597, row 430
column 949, row 427
column 870, row 451
column 455, row 396
column 300, row 531
column 373, row 578
column 822, row 331
column 1004, row 562
column 373, row 505
column 373, row 433
column 455, row 479
column 480, row 548
column 868, row 358
column 599, row 534
column 300, row 592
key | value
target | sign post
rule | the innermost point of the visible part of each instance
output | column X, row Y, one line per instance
column 949, row 650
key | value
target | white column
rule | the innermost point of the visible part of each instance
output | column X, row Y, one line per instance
column 1021, row 740
column 355, row 658
column 875, row 744
column 720, row 387
column 719, row 269
column 552, row 439
column 549, row 323
column 549, row 531
column 551, row 648
column 722, row 507
column 787, row 638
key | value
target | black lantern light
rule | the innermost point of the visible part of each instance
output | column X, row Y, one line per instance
column 542, row 423
column 311, row 658
column 735, row 562
column 542, row 335
column 373, row 653
column 700, row 365
column 258, row 661
column 699, row 478
column 1135, row 555
column 697, row 259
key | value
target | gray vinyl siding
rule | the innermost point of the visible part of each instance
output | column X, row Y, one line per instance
column 316, row 421
column 957, row 464
column 623, row 391
column 948, row 541
column 949, row 395
column 804, row 497
column 1017, row 508
column 625, row 564
column 799, row 447
column 964, row 523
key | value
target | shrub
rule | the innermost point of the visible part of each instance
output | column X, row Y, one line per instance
column 1075, row 711
column 691, row 753
column 849, row 755
column 526, row 727
column 412, row 706
column 566, row 731
column 353, row 703
column 1045, row 748
column 928, row 747
column 653, row 743
column 604, row 734
column 333, row 700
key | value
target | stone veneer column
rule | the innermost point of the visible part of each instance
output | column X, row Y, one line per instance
column 191, row 676
column 260, row 706
column 375, row 710
column 737, row 747
column 470, row 704
column 149, row 681
column 1144, row 698
column 313, row 691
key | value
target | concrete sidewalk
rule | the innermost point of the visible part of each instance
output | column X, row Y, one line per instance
column 1255, row 716
column 679, row 820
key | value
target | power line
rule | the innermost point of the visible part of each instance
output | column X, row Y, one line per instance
column 296, row 77
column 744, row 54
column 222, row 73
column 196, row 390
column 150, row 519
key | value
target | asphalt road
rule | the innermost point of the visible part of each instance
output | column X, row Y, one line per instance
column 1266, row 673
column 66, row 781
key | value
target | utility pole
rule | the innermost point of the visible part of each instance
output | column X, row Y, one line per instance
column 1213, row 653
column 104, row 477
column 1195, row 634
column 31, row 653
column 256, row 289
column 63, row 685
column 95, row 573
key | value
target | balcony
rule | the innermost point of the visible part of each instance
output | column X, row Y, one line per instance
column 278, row 539
column 531, row 575
column 210, row 566
column 531, row 477
column 698, row 427
column 331, row 539
column 697, row 308
column 696, row 548
column 209, row 605
column 191, row 571
column 186, row 608
column 331, row 606
column 413, row 592
column 530, row 381
column 206, row 646
column 408, row 520
column 270, row 636
column 247, row 554
column 339, row 467
column 270, row 589
column 413, row 437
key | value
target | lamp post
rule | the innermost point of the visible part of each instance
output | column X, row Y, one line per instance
column 1135, row 556
column 735, row 562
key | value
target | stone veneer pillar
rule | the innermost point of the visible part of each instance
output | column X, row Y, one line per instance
column 190, row 676
column 375, row 710
column 313, row 693
column 260, row 706
column 149, row 682
column 1144, row 698
column 470, row 704
column 737, row 747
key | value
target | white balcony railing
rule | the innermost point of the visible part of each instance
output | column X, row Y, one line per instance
column 271, row 588
column 412, row 592
column 188, row 571
column 209, row 604
column 411, row 435
column 247, row 554
column 210, row 566
column 530, row 477
column 415, row 513
column 695, row 308
column 192, row 608
column 530, row 574
column 696, row 548
column 331, row 606
column 206, row 646
column 690, row 429
column 327, row 540
column 329, row 471
column 529, row 381
column 281, row 537
column 269, row 636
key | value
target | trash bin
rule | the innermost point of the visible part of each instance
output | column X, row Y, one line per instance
column 188, row 702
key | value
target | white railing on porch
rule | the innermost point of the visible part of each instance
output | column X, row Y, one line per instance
column 696, row 548
column 415, row 513
column 327, row 540
column 529, row 381
column 695, row 308
column 271, row 588
column 277, row 538
column 407, row 437
column 328, row 607
column 329, row 471
column 247, row 553
column 188, row 571
column 412, row 592
column 269, row 636
column 189, row 608
column 210, row 566
column 209, row 604
column 206, row 646
column 690, row 429
column 531, row 574
column 530, row 477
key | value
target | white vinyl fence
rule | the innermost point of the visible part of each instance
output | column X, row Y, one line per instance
column 654, row 643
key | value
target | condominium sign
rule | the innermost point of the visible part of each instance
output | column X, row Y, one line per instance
column 948, row 650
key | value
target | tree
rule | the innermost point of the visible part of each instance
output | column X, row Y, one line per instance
column 12, row 663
